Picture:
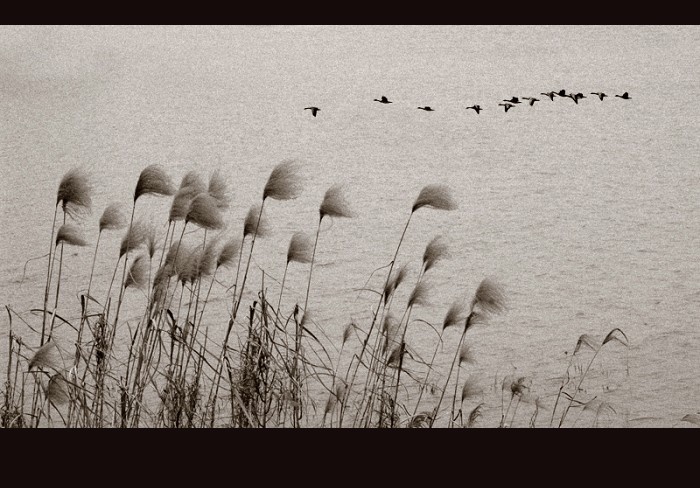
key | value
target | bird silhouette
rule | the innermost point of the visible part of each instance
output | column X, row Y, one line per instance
column 383, row 100
column 532, row 100
column 624, row 96
column 512, row 100
column 601, row 95
column 427, row 109
column 562, row 93
column 549, row 94
column 314, row 110
column 476, row 108
column 507, row 106
column 576, row 97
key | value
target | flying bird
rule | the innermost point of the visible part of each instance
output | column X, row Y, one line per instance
column 576, row 97
column 476, row 108
column 507, row 106
column 427, row 109
column 532, row 100
column 601, row 95
column 383, row 100
column 314, row 110
column 550, row 95
column 624, row 96
column 512, row 100
column 562, row 93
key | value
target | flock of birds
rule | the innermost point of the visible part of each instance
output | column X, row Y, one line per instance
column 512, row 102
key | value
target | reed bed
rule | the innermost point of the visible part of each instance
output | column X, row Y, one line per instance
column 276, row 366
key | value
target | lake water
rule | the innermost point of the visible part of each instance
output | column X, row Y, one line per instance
column 587, row 214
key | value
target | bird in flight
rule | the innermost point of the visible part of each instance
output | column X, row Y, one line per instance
column 576, row 96
column 383, row 100
column 550, row 95
column 476, row 108
column 512, row 100
column 506, row 105
column 562, row 93
column 624, row 96
column 314, row 110
column 532, row 100
column 427, row 109
column 601, row 95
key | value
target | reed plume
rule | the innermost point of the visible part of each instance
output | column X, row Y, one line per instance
column 228, row 253
column 74, row 192
column 113, row 217
column 255, row 223
column 334, row 204
column 419, row 295
column 471, row 388
column 396, row 278
column 57, row 390
column 284, row 182
column 204, row 212
column 218, row 190
column 455, row 314
column 434, row 252
column 300, row 248
column 138, row 273
column 181, row 205
column 136, row 236
column 489, row 298
column 47, row 356
column 153, row 180
column 435, row 196
column 71, row 235
column 466, row 355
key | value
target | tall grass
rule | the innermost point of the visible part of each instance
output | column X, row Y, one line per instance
column 272, row 365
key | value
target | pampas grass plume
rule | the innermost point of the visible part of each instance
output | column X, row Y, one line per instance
column 255, row 222
column 334, row 204
column 204, row 212
column 113, row 217
column 74, row 192
column 228, row 253
column 47, row 356
column 300, row 248
column 138, row 273
column 434, row 251
column 284, row 182
column 455, row 314
column 218, row 190
column 153, row 180
column 489, row 297
column 419, row 295
column 70, row 234
column 435, row 196
column 134, row 237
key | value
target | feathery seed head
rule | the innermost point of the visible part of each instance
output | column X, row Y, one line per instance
column 47, row 356
column 489, row 298
column 334, row 203
column 419, row 295
column 153, row 180
column 470, row 389
column 434, row 251
column 435, row 196
column 255, row 222
column 456, row 313
column 113, row 217
column 219, row 190
column 70, row 234
column 284, row 182
column 300, row 248
column 204, row 212
column 228, row 253
column 138, row 273
column 136, row 236
column 74, row 192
